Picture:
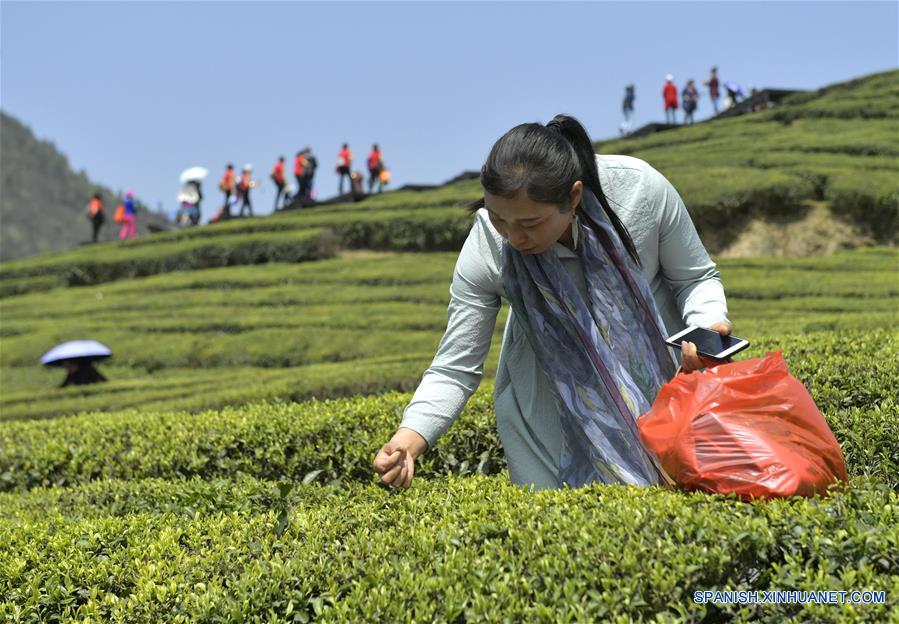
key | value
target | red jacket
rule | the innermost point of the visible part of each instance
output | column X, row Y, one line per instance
column 278, row 172
column 374, row 159
column 670, row 95
column 298, row 165
column 346, row 157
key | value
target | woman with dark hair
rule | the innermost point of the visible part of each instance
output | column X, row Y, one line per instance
column 593, row 293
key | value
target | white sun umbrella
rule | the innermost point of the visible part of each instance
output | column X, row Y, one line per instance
column 194, row 173
column 76, row 350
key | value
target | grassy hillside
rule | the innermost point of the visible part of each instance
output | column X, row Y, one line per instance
column 42, row 200
column 835, row 147
column 838, row 144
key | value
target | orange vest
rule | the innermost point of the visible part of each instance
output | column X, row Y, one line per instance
column 94, row 206
column 228, row 181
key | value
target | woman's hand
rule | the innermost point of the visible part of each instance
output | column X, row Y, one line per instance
column 395, row 462
column 691, row 360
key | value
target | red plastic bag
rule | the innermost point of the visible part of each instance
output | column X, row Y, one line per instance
column 746, row 427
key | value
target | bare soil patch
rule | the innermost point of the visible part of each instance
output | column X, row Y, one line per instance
column 818, row 232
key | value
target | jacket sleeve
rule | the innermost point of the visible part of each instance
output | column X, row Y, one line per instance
column 458, row 366
column 683, row 260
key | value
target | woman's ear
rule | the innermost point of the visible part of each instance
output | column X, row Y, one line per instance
column 577, row 191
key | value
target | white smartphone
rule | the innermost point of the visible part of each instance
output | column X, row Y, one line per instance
column 709, row 343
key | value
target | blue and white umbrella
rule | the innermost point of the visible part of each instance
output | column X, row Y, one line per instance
column 75, row 350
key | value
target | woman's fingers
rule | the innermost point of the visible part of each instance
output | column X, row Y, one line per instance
column 689, row 360
column 396, row 468
column 404, row 473
column 385, row 461
column 396, row 476
column 411, row 465
column 406, row 478
column 391, row 475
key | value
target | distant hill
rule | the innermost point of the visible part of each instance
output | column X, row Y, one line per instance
column 42, row 200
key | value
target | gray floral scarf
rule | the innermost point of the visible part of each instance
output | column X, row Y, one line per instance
column 606, row 357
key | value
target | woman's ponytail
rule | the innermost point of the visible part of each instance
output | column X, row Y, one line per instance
column 571, row 129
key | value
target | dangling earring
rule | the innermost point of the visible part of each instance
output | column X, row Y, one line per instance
column 575, row 230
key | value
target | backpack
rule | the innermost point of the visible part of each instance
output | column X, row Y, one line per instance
column 119, row 215
column 93, row 208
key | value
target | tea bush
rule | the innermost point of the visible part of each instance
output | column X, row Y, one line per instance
column 337, row 438
column 452, row 549
column 208, row 338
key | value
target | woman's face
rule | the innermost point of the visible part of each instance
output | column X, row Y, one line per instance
column 532, row 227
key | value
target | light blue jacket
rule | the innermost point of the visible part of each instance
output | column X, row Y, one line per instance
column 684, row 281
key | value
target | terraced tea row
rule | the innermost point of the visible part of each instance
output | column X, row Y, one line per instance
column 833, row 145
column 193, row 332
column 459, row 548
column 274, row 440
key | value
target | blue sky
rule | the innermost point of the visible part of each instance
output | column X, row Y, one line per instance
column 134, row 92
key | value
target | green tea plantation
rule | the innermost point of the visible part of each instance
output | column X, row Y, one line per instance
column 223, row 473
